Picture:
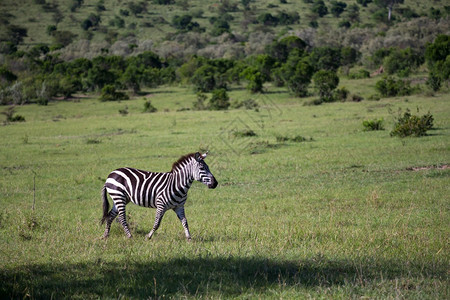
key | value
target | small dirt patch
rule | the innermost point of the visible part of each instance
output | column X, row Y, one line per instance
column 432, row 167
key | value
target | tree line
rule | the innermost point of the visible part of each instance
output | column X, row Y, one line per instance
column 39, row 75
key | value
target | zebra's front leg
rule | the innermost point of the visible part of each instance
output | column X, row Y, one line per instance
column 158, row 217
column 180, row 213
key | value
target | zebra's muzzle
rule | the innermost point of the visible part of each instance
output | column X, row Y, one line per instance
column 213, row 184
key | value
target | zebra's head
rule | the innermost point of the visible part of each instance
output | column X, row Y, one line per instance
column 202, row 172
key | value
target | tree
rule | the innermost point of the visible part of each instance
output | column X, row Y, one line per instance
column 204, row 78
column 15, row 34
column 438, row 50
column 220, row 26
column 349, row 56
column 353, row 13
column 131, row 78
column 325, row 82
column 337, row 8
column 437, row 55
column 326, row 58
column 280, row 49
column 296, row 73
column 389, row 4
column 63, row 37
column 254, row 78
column 363, row 2
column 137, row 8
column 319, row 8
column 402, row 61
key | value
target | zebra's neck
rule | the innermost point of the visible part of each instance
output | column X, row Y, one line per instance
column 181, row 180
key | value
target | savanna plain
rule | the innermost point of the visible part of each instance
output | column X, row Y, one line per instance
column 340, row 213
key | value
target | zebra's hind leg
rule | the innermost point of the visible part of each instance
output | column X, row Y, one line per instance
column 158, row 217
column 111, row 216
column 123, row 218
column 180, row 213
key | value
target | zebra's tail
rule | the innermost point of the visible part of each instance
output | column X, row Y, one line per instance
column 105, row 205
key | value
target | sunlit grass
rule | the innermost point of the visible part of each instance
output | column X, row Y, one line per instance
column 342, row 215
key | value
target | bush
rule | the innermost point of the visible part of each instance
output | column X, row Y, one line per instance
column 297, row 73
column 402, row 61
column 148, row 107
column 389, row 87
column 295, row 139
column 200, row 103
column 412, row 125
column 11, row 116
column 255, row 79
column 247, row 104
column 204, row 78
column 341, row 94
column 362, row 73
column 438, row 61
column 109, row 93
column 219, row 100
column 371, row 125
column 319, row 8
column 244, row 133
column 325, row 82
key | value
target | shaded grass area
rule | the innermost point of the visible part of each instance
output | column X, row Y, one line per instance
column 212, row 276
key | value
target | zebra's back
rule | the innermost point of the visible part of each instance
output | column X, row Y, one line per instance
column 138, row 186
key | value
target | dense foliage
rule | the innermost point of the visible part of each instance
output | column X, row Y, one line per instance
column 216, row 55
column 412, row 125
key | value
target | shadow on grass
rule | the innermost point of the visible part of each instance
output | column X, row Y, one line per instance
column 198, row 277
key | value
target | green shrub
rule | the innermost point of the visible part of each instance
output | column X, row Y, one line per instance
column 204, row 78
column 371, row 125
column 11, row 116
column 124, row 111
column 148, row 107
column 325, row 82
column 244, row 133
column 219, row 100
column 412, row 125
column 109, row 93
column 295, row 139
column 255, row 79
column 402, row 61
column 200, row 103
column 356, row 98
column 247, row 104
column 362, row 73
column 341, row 94
column 389, row 87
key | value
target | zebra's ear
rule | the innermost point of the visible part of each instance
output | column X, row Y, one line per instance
column 204, row 155
column 198, row 156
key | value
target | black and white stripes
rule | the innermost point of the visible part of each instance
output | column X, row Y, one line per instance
column 162, row 191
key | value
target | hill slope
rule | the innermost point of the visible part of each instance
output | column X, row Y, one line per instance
column 225, row 28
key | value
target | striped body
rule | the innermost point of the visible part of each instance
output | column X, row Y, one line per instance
column 144, row 188
column 162, row 191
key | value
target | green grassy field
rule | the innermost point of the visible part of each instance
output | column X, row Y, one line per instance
column 343, row 214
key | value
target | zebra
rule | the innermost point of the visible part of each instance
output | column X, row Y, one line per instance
column 162, row 191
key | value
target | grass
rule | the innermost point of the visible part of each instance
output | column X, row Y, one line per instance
column 344, row 215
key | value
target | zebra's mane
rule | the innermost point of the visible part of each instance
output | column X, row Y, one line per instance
column 182, row 159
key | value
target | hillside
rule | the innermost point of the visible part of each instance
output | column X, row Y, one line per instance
column 230, row 29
